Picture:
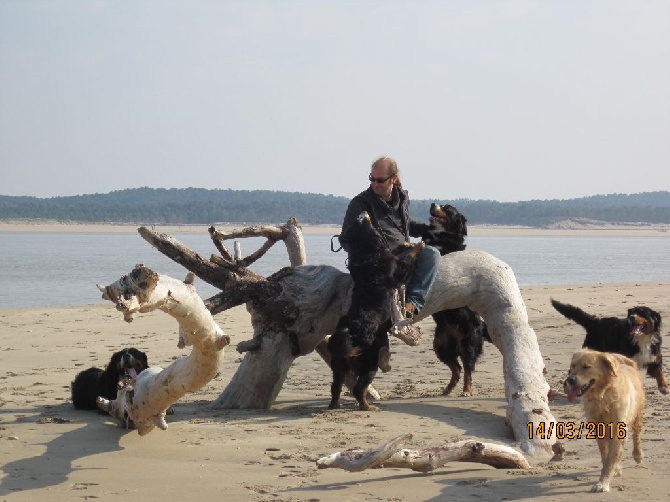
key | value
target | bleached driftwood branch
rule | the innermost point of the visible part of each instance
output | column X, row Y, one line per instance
column 155, row 389
column 392, row 455
column 478, row 280
column 290, row 233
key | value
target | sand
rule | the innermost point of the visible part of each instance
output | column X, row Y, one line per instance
column 566, row 229
column 50, row 452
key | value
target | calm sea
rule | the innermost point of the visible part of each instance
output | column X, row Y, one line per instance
column 60, row 269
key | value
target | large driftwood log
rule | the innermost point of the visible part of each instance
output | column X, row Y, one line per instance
column 311, row 302
column 240, row 285
column 294, row 310
column 315, row 297
column 144, row 403
column 393, row 455
column 486, row 284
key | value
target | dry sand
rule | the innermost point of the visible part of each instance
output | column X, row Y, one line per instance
column 50, row 452
column 567, row 229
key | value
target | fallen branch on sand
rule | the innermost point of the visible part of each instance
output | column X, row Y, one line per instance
column 145, row 401
column 391, row 455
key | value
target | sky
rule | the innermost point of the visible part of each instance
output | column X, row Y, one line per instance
column 475, row 99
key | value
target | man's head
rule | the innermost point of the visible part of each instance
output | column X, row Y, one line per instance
column 383, row 175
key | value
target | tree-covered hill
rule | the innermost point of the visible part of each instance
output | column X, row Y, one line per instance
column 203, row 206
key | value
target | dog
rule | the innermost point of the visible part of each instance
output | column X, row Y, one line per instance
column 447, row 229
column 638, row 336
column 458, row 332
column 93, row 382
column 361, row 333
column 613, row 398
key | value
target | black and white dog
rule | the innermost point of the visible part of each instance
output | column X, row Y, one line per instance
column 94, row 382
column 637, row 336
column 458, row 332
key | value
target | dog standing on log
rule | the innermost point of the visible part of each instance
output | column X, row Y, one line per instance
column 363, row 331
column 638, row 336
column 458, row 332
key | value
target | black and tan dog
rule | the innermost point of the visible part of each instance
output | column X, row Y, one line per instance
column 94, row 382
column 447, row 229
column 458, row 332
column 638, row 336
column 363, row 331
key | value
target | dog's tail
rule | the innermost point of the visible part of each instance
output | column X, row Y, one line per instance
column 574, row 314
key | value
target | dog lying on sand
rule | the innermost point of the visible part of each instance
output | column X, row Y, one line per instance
column 94, row 382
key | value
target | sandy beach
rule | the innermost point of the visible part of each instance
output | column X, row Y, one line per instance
column 52, row 452
column 566, row 229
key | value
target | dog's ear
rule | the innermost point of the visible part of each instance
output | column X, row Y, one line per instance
column 657, row 320
column 464, row 226
column 621, row 359
column 608, row 363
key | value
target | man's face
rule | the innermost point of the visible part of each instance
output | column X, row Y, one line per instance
column 382, row 188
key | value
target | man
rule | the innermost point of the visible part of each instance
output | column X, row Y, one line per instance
column 387, row 203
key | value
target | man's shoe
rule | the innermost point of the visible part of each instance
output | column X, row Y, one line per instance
column 410, row 310
column 384, row 360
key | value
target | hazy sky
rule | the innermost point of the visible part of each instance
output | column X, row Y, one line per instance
column 502, row 100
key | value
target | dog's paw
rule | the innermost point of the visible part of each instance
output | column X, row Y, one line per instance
column 447, row 390
column 664, row 389
column 599, row 488
column 384, row 360
column 103, row 404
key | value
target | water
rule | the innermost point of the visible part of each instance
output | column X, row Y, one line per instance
column 61, row 269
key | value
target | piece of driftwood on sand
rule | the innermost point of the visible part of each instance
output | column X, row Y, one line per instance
column 144, row 402
column 293, row 310
column 393, row 455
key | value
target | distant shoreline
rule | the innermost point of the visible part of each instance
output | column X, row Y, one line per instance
column 41, row 226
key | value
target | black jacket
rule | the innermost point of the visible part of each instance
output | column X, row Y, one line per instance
column 391, row 219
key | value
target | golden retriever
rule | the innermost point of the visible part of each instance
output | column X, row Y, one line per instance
column 613, row 397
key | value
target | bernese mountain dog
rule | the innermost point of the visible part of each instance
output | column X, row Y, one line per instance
column 458, row 332
column 446, row 231
column 363, row 331
column 638, row 336
column 94, row 382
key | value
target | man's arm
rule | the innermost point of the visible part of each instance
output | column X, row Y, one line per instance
column 354, row 209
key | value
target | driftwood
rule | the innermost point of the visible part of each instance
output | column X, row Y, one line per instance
column 393, row 455
column 294, row 310
column 145, row 401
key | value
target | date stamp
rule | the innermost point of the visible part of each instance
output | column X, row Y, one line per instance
column 577, row 430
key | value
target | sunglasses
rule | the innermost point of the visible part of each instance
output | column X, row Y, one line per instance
column 379, row 180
